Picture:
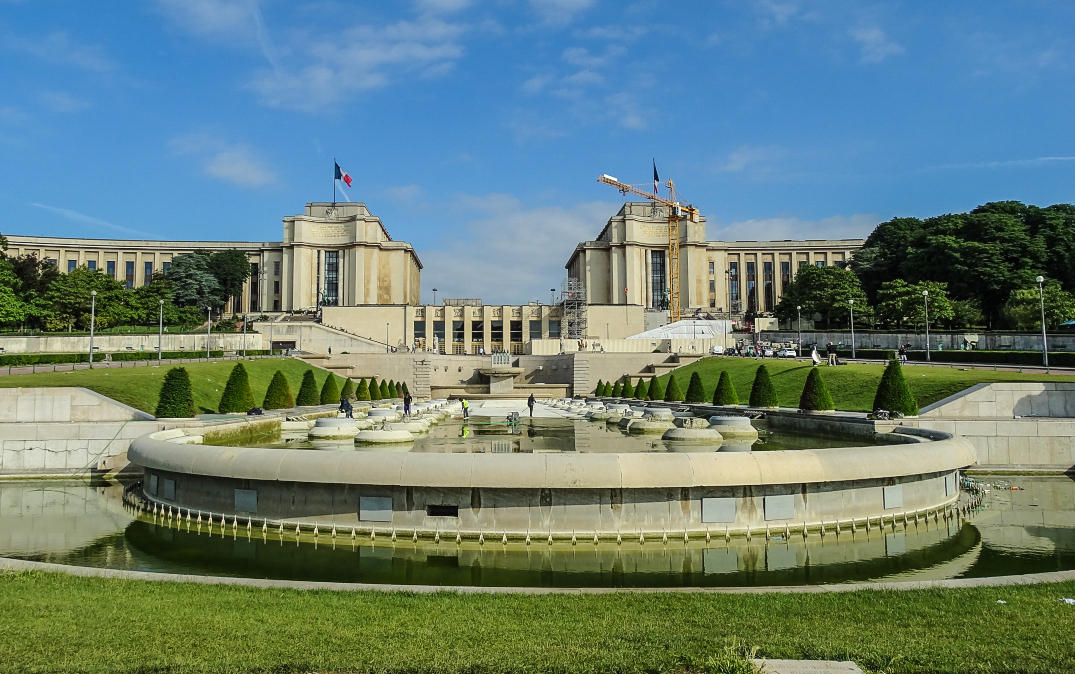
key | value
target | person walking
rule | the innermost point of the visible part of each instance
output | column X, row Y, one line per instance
column 407, row 404
column 902, row 352
column 530, row 403
column 466, row 409
column 830, row 351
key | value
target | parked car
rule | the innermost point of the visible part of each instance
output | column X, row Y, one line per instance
column 786, row 352
column 766, row 352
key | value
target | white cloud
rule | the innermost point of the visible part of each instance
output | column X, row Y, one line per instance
column 752, row 158
column 874, row 45
column 92, row 221
column 624, row 110
column 617, row 33
column 61, row 101
column 443, row 6
column 224, row 21
column 855, row 226
column 1005, row 163
column 234, row 163
column 405, row 194
column 777, row 12
column 535, row 84
column 59, row 48
column 524, row 249
column 559, row 11
column 584, row 58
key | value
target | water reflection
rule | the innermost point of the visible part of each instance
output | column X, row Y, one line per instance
column 83, row 523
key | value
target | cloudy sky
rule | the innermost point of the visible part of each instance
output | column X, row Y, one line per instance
column 476, row 130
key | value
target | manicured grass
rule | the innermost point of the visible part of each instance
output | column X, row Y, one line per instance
column 139, row 387
column 54, row 622
column 852, row 386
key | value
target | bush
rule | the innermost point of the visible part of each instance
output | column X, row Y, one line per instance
column 599, row 390
column 608, row 389
column 656, row 390
column 384, row 390
column 725, row 393
column 176, row 396
column 363, row 390
column 762, row 393
column 237, row 395
column 815, row 394
column 642, row 390
column 308, row 394
column 893, row 394
column 393, row 389
column 403, row 389
column 375, row 389
column 330, row 391
column 628, row 390
column 673, row 394
column 278, row 396
column 348, row 390
column 617, row 389
column 694, row 389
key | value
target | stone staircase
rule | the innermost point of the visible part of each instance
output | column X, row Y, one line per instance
column 658, row 369
column 580, row 382
column 423, row 368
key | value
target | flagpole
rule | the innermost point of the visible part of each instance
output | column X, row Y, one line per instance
column 333, row 180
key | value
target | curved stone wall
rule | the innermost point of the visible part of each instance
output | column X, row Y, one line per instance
column 562, row 494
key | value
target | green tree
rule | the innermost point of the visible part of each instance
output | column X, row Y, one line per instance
column 815, row 394
column 642, row 390
column 193, row 282
column 393, row 389
column 230, row 268
column 308, row 392
column 627, row 391
column 330, row 390
column 403, row 389
column 762, row 393
column 599, row 390
column 1023, row 308
column 384, row 392
column 893, row 394
column 363, row 390
column 673, row 393
column 348, row 390
column 656, row 389
column 899, row 301
column 725, row 393
column 69, row 300
column 278, row 396
column 825, row 291
column 176, row 399
column 695, row 393
column 617, row 389
column 375, row 389
column 237, row 396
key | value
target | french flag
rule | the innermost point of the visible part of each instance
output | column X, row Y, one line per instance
column 342, row 175
column 656, row 179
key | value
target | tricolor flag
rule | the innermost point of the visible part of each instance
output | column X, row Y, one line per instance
column 655, row 178
column 346, row 177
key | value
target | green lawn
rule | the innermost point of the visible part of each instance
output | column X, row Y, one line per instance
column 139, row 387
column 54, row 622
column 852, row 386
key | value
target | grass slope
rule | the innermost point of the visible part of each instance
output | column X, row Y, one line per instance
column 140, row 386
column 852, row 386
column 55, row 622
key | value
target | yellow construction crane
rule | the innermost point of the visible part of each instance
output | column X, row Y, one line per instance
column 676, row 212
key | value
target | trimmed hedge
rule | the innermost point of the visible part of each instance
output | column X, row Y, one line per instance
column 384, row 391
column 362, row 392
column 725, row 393
column 393, row 389
column 237, row 396
column 375, row 389
column 176, row 397
column 893, row 394
column 600, row 388
column 694, row 389
column 762, row 393
column 617, row 389
column 656, row 390
column 1057, row 358
column 815, row 394
column 20, row 359
column 308, row 393
column 628, row 390
column 673, row 394
column 348, row 390
column 642, row 390
column 330, row 391
column 278, row 396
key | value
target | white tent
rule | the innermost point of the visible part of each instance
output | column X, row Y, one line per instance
column 688, row 329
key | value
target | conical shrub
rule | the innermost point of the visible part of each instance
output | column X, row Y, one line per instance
column 403, row 390
column 893, row 394
column 385, row 392
column 393, row 389
column 362, row 391
column 673, row 394
column 725, row 393
column 608, row 389
column 278, row 396
column 176, row 396
column 330, row 391
column 656, row 390
column 348, row 390
column 617, row 389
column 815, row 394
column 628, row 390
column 308, row 393
column 599, row 390
column 375, row 389
column 762, row 393
column 642, row 390
column 694, row 389
column 237, row 396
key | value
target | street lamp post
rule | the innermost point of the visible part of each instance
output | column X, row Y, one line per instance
column 93, row 320
column 434, row 297
column 244, row 335
column 160, row 331
column 1044, row 339
column 386, row 337
column 208, row 330
column 799, row 321
column 552, row 296
column 851, row 306
column 925, row 299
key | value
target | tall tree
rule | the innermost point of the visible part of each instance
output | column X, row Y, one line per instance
column 193, row 283
column 826, row 291
column 230, row 268
column 1024, row 306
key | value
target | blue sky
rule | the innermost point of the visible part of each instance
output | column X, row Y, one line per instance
column 476, row 130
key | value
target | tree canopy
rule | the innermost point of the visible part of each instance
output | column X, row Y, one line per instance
column 826, row 292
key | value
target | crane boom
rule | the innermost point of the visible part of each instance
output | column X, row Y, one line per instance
column 675, row 212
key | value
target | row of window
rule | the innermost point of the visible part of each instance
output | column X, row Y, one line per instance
column 477, row 328
column 110, row 269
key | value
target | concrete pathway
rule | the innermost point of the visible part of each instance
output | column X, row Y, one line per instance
column 769, row 666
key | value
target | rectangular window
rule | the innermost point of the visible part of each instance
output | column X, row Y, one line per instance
column 535, row 329
column 147, row 272
column 802, row 263
column 255, row 287
column 554, row 329
column 457, row 332
column 477, row 331
column 438, row 332
column 442, row 510
column 496, row 332
column 770, row 287
column 110, row 268
column 785, row 274
column 752, row 287
column 151, row 483
column 92, row 264
column 712, row 267
column 275, row 287
column 733, row 286
column 276, row 268
column 168, row 489
column 820, row 263
column 658, row 288
column 128, row 273
column 516, row 328
column 712, row 286
column 332, row 278
column 165, row 266
column 71, row 264
column 419, row 329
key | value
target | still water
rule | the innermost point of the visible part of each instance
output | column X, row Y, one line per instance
column 84, row 523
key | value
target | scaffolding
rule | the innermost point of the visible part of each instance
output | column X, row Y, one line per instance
column 573, row 302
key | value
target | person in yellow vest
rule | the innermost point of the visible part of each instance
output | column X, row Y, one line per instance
column 466, row 409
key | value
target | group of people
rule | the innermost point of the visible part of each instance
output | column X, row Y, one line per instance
column 830, row 353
